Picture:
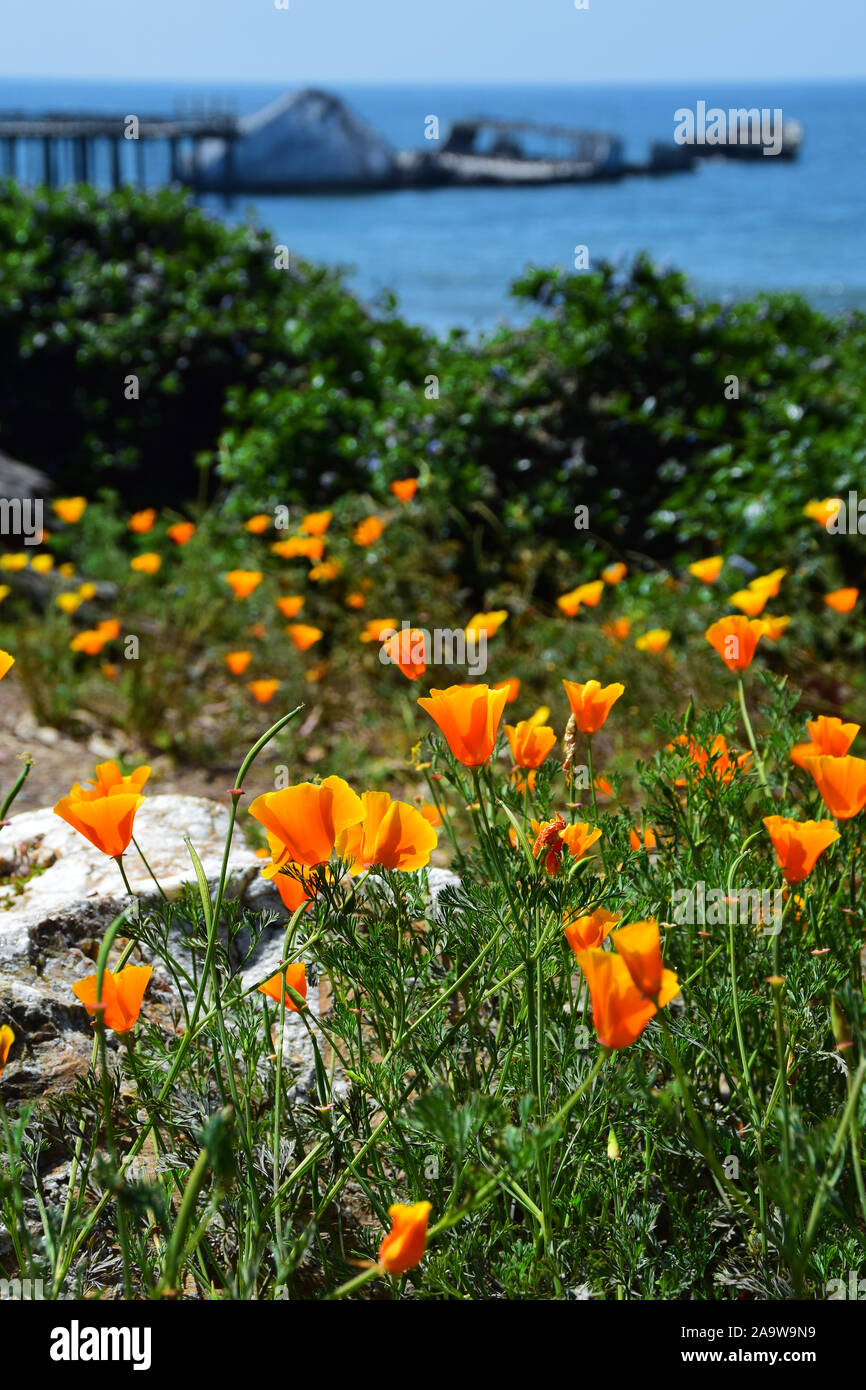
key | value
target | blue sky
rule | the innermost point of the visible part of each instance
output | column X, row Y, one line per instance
column 433, row 40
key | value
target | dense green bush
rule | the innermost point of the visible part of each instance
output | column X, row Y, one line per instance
column 613, row 397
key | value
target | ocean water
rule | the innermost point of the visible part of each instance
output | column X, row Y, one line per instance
column 450, row 254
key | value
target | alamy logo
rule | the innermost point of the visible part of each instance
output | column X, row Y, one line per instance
column 713, row 907
column 739, row 126
column 76, row 1343
column 21, row 1289
column 837, row 1288
column 849, row 518
column 415, row 646
column 22, row 517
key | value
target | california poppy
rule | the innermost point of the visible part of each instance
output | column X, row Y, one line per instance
column 295, row 978
column 824, row 511
column 707, row 570
column 315, row 523
column 68, row 603
column 7, row 1038
column 89, row 641
column 841, row 782
column 639, row 839
column 69, row 509
column 257, row 524
column 42, row 564
column 242, row 582
column 263, row 691
column 799, row 843
column 715, row 763
column 842, row 600
column 627, row 986
column 613, row 574
column 749, row 601
column 618, row 630
column 407, row 650
column 143, row 521
column 295, row 547
column 290, row 605
column 591, row 703
column 569, row 603
column 303, row 635
column 590, row 593
column 768, row 584
column 238, row 662
column 511, row 685
column 529, row 743
column 392, row 835
column 6, row 663
column 468, row 716
column 553, row 836
column 655, row 641
column 326, row 571
column 368, row 531
column 148, row 563
column 587, row 930
column 355, row 600
column 106, row 821
column 828, row 737
column 181, row 532
column 403, row 1247
column 376, row 629
column 109, row 778
column 487, row 623
column 307, row 818
column 735, row 640
column 773, row 628
column 121, row 996
column 404, row 489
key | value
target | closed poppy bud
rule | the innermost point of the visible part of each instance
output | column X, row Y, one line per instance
column 238, row 662
column 842, row 784
column 296, row 979
column 403, row 1247
column 143, row 521
column 735, row 640
column 591, row 703
column 529, row 743
column 106, row 821
column 468, row 716
column 242, row 582
column 707, row 570
column 799, row 843
column 842, row 600
column 121, row 996
column 7, row 1038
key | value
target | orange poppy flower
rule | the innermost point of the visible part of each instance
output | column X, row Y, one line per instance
column 121, row 996
column 824, row 511
column 304, row 636
column 591, row 703
column 306, row 547
column 87, row 590
column 512, row 687
column 529, row 743
column 587, row 930
column 293, row 882
column 404, row 489
column 749, row 601
column 242, row 582
column 89, row 641
column 290, row 605
column 707, row 570
column 829, row 737
column 263, row 691
column 715, row 763
column 258, row 523
column 406, row 649
column 7, row 1038
column 295, row 978
column 655, row 641
column 14, row 561
column 326, row 571
column 569, row 603
column 554, row 835
column 403, row 1247
column 629, row 986
column 468, row 716
column 238, row 662
column 42, row 564
column 69, row 509
column 642, row 839
column 109, row 671
column 602, row 785
column 110, row 628
column 799, row 843
column 768, row 584
column 355, row 600
column 392, row 835
column 842, row 600
column 181, row 532
column 307, row 818
column 368, row 531
column 376, row 629
column 315, row 523
column 148, row 563
column 6, row 663
column 590, row 593
column 618, row 630
column 841, row 782
column 105, row 820
column 143, row 521
column 108, row 778
column 430, row 813
column 615, row 573
column 488, row 623
column 735, row 640
column 773, row 628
